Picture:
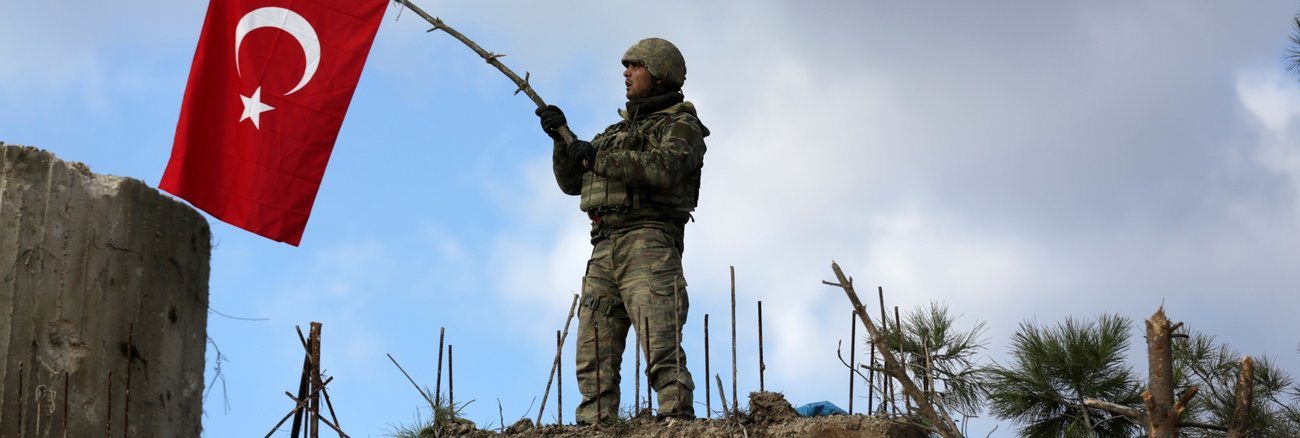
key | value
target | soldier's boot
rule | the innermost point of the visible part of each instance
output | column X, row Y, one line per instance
column 676, row 398
column 673, row 384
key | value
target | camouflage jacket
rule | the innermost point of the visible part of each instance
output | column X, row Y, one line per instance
column 647, row 168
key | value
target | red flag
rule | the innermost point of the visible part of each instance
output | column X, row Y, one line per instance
column 270, row 84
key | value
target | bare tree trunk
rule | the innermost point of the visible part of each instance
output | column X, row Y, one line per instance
column 1245, row 391
column 1162, row 419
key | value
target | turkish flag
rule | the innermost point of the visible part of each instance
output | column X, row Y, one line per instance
column 270, row 84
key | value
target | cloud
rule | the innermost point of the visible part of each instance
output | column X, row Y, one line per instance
column 1011, row 165
column 1273, row 102
column 58, row 53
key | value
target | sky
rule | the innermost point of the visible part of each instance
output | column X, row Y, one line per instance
column 1016, row 161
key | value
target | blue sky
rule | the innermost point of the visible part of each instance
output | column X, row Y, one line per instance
column 1015, row 160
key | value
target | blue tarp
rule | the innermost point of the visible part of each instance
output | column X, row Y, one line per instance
column 820, row 409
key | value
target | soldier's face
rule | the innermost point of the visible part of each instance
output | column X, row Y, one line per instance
column 637, row 80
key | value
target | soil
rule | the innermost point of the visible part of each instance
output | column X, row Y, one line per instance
column 770, row 415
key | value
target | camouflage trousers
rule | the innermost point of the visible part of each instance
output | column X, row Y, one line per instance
column 634, row 279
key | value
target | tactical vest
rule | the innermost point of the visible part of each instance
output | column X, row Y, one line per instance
column 602, row 195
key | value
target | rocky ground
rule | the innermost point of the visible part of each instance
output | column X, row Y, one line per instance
column 770, row 415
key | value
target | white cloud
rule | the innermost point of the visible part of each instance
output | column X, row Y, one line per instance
column 1273, row 100
column 57, row 53
column 1012, row 167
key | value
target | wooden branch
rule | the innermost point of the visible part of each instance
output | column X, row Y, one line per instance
column 556, row 363
column 1201, row 425
column 299, row 406
column 432, row 405
column 872, row 368
column 1114, row 408
column 839, row 352
column 1245, row 391
column 316, row 414
column 722, row 394
column 1183, row 400
column 491, row 58
column 1162, row 417
column 1140, row 415
column 933, row 412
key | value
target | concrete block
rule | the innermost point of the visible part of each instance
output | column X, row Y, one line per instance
column 103, row 303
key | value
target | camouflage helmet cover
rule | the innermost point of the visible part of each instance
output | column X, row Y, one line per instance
column 660, row 57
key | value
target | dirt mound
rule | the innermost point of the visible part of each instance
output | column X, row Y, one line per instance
column 767, row 408
column 770, row 415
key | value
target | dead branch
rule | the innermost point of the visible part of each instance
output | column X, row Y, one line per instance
column 556, row 363
column 932, row 411
column 491, row 58
column 1140, row 415
column 839, row 352
column 432, row 405
column 722, row 394
column 1183, row 400
column 1114, row 408
column 299, row 405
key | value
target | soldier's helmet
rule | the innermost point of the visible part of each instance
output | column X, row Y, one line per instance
column 660, row 57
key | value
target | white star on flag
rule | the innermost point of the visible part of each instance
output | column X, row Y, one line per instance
column 253, row 107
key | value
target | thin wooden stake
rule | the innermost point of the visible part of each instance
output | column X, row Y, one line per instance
column 423, row 393
column 734, row 398
column 595, row 325
column 853, row 354
column 555, row 365
column 636, row 403
column 451, row 385
column 708, row 397
column 437, row 383
column 886, row 386
column 902, row 358
column 559, row 384
column 300, row 405
column 330, row 405
column 316, row 383
column 871, row 381
column 649, row 406
column 304, row 381
column 761, row 365
column 722, row 394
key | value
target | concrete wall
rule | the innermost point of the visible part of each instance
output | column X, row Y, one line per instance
column 83, row 258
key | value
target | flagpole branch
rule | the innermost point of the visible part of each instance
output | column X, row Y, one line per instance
column 491, row 58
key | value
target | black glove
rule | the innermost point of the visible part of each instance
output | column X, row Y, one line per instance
column 552, row 120
column 584, row 152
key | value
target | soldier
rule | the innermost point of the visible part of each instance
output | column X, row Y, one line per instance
column 638, row 181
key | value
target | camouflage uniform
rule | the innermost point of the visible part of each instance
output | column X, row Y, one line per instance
column 639, row 193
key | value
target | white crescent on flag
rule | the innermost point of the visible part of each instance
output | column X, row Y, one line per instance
column 288, row 21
